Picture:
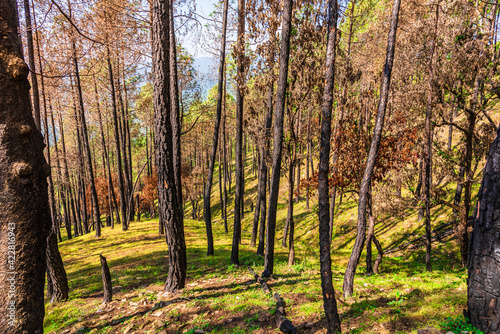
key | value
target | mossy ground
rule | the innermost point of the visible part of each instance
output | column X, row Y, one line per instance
column 221, row 298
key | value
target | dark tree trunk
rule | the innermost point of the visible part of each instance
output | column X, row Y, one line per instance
column 239, row 134
column 256, row 214
column 329, row 301
column 484, row 258
column 86, row 146
column 427, row 176
column 111, row 189
column 55, row 268
column 67, row 183
column 31, row 61
column 25, row 217
column 278, row 138
column 207, row 214
column 168, row 202
column 372, row 155
column 121, row 183
column 106, row 280
column 289, row 216
column 263, row 170
column 175, row 111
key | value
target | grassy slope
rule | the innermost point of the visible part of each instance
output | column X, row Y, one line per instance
column 225, row 299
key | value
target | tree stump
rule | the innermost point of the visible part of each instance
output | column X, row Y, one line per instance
column 106, row 280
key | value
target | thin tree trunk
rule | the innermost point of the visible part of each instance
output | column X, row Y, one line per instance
column 207, row 214
column 372, row 155
column 239, row 134
column 175, row 111
column 428, row 150
column 86, row 146
column 121, row 185
column 278, row 138
column 329, row 301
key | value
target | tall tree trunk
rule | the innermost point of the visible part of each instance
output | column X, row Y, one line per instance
column 265, row 152
column 25, row 217
column 428, row 150
column 167, row 193
column 86, row 145
column 207, row 213
column 55, row 267
column 372, row 155
column 67, row 184
column 278, row 138
column 111, row 190
column 121, row 183
column 239, row 133
column 31, row 61
column 329, row 301
column 289, row 217
column 484, row 258
column 175, row 111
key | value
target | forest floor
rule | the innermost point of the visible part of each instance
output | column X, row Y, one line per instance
column 222, row 298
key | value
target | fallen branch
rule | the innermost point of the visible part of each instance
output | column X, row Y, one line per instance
column 282, row 322
column 262, row 283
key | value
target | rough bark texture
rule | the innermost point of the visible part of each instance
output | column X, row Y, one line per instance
column 483, row 290
column 31, row 60
column 24, row 218
column 106, row 280
column 329, row 301
column 372, row 155
column 207, row 213
column 278, row 138
column 55, row 270
column 167, row 193
column 238, row 195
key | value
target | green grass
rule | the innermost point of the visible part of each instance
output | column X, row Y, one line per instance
column 222, row 298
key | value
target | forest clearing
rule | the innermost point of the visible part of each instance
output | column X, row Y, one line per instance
column 249, row 166
column 223, row 298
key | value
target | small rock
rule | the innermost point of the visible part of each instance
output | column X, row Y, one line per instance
column 199, row 331
column 309, row 325
column 450, row 333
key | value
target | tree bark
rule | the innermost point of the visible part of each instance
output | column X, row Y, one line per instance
column 168, row 205
column 31, row 61
column 239, row 134
column 484, row 261
column 25, row 217
column 207, row 214
column 106, row 280
column 86, row 146
column 329, row 301
column 278, row 138
column 372, row 155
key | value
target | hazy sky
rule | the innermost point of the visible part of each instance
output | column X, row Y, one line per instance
column 203, row 8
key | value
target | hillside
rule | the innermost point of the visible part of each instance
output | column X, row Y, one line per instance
column 221, row 298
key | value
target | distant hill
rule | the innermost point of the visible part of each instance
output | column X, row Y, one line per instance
column 208, row 73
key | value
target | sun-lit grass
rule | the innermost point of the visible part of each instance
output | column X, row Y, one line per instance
column 402, row 298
